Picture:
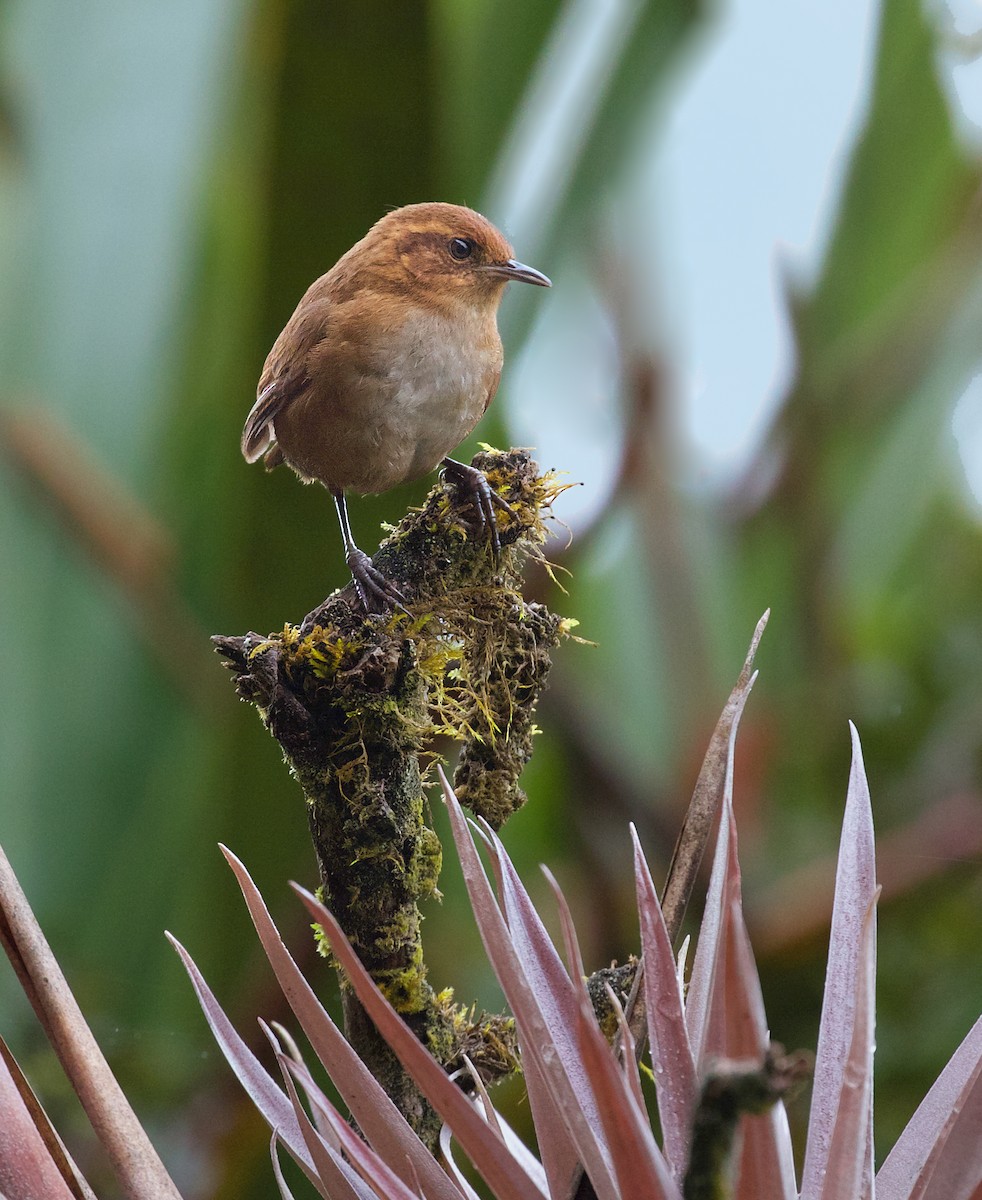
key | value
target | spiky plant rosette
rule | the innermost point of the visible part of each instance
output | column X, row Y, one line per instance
column 709, row 1051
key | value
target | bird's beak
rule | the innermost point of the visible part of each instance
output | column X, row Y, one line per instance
column 519, row 272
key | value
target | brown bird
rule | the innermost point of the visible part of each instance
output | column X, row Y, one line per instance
column 387, row 364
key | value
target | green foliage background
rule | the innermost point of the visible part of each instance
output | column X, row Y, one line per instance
column 171, row 178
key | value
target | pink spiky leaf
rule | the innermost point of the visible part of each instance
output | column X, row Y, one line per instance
column 484, row 1147
column 849, row 1169
column 558, row 1150
column 516, row 1147
column 707, row 796
column 285, row 1193
column 554, row 990
column 698, row 1003
column 377, row 1176
column 260, row 1086
column 638, row 1164
column 725, row 1008
column 483, row 1097
column 627, row 1051
column 939, row 1155
column 549, row 1051
column 765, row 1163
column 736, row 1029
column 446, row 1150
column 335, row 1178
column 668, row 1039
column 851, row 956
column 281, row 1040
column 571, row 943
column 27, row 1169
column 386, row 1129
column 639, row 1167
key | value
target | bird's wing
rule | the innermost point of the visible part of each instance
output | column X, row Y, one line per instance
column 258, row 434
column 284, row 376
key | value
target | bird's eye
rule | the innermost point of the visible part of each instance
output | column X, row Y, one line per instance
column 461, row 248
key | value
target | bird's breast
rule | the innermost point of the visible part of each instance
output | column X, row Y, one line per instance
column 388, row 395
column 440, row 364
column 442, row 374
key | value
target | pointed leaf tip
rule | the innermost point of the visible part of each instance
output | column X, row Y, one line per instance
column 757, row 634
column 844, row 1052
column 231, row 858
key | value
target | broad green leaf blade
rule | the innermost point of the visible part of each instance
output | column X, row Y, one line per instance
column 574, row 83
column 909, row 181
column 116, row 110
column 865, row 434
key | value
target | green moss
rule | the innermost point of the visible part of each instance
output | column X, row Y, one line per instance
column 427, row 864
column 489, row 1041
column 619, row 980
column 407, row 989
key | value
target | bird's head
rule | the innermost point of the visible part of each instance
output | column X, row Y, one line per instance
column 444, row 254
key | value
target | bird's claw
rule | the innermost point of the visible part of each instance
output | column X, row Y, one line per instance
column 473, row 485
column 376, row 593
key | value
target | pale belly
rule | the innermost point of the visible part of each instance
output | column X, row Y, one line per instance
column 397, row 423
column 435, row 406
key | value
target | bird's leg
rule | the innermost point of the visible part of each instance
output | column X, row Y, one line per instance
column 473, row 485
column 375, row 592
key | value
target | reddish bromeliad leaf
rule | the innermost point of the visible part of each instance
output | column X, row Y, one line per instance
column 584, row 1097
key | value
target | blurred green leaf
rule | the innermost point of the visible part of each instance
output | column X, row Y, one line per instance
column 116, row 111
column 171, row 180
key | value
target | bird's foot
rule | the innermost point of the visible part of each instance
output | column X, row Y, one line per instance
column 474, row 488
column 376, row 593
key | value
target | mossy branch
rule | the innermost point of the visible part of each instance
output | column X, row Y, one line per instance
column 355, row 701
column 730, row 1091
